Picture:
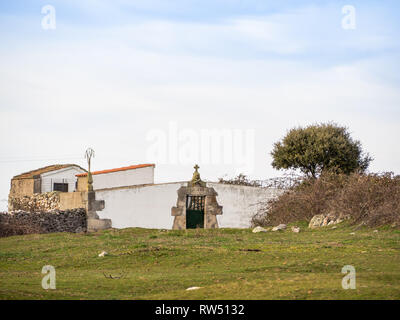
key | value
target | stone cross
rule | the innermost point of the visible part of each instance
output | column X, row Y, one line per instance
column 196, row 180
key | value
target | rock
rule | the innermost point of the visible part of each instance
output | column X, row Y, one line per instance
column 334, row 227
column 259, row 229
column 321, row 220
column 296, row 229
column 79, row 230
column 375, row 231
column 279, row 228
column 352, row 233
column 193, row 288
column 316, row 221
column 103, row 253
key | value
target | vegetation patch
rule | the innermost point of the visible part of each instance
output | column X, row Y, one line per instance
column 285, row 265
column 367, row 199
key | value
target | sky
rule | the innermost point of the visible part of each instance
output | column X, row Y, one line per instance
column 182, row 82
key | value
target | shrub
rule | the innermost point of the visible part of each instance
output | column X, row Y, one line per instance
column 18, row 228
column 372, row 199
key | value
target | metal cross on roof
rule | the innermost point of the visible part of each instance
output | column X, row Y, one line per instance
column 89, row 154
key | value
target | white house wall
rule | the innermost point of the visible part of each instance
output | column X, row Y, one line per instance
column 60, row 176
column 124, row 178
column 150, row 206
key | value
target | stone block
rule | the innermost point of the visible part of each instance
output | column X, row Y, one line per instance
column 98, row 224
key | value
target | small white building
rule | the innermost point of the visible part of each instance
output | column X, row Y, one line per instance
column 63, row 180
column 134, row 175
column 57, row 177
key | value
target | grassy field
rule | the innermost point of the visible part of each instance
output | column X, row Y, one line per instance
column 159, row 264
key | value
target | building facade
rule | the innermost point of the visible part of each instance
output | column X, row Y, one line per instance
column 128, row 197
column 59, row 177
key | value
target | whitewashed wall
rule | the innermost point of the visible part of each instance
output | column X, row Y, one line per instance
column 124, row 178
column 150, row 206
column 240, row 203
column 60, row 176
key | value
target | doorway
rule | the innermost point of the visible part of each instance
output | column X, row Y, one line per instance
column 195, row 211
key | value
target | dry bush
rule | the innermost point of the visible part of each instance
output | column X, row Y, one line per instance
column 287, row 181
column 241, row 179
column 18, row 228
column 372, row 199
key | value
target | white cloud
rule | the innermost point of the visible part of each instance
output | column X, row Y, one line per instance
column 106, row 87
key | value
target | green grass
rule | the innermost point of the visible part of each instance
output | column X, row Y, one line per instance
column 157, row 264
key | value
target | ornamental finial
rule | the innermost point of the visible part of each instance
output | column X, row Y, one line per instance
column 196, row 180
column 89, row 154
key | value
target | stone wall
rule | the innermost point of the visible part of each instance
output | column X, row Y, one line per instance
column 22, row 222
column 36, row 202
column 21, row 187
column 72, row 200
column 48, row 201
column 82, row 184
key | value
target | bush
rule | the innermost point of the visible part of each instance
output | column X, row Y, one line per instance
column 285, row 182
column 241, row 180
column 372, row 199
column 18, row 229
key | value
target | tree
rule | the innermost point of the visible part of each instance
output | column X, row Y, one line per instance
column 318, row 148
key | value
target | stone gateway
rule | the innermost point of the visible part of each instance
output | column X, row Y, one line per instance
column 197, row 205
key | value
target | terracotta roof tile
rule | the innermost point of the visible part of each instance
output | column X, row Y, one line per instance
column 118, row 169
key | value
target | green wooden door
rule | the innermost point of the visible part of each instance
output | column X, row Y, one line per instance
column 194, row 219
column 195, row 212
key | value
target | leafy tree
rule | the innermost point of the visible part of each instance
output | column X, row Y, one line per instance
column 318, row 148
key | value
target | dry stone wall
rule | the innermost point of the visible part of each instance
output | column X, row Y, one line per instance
column 35, row 203
column 22, row 222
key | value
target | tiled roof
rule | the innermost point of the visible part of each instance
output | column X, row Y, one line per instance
column 118, row 169
column 53, row 167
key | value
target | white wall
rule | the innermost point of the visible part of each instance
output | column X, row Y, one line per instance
column 124, row 178
column 141, row 206
column 60, row 176
column 240, row 203
column 150, row 206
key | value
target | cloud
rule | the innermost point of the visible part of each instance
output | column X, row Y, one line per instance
column 107, row 85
